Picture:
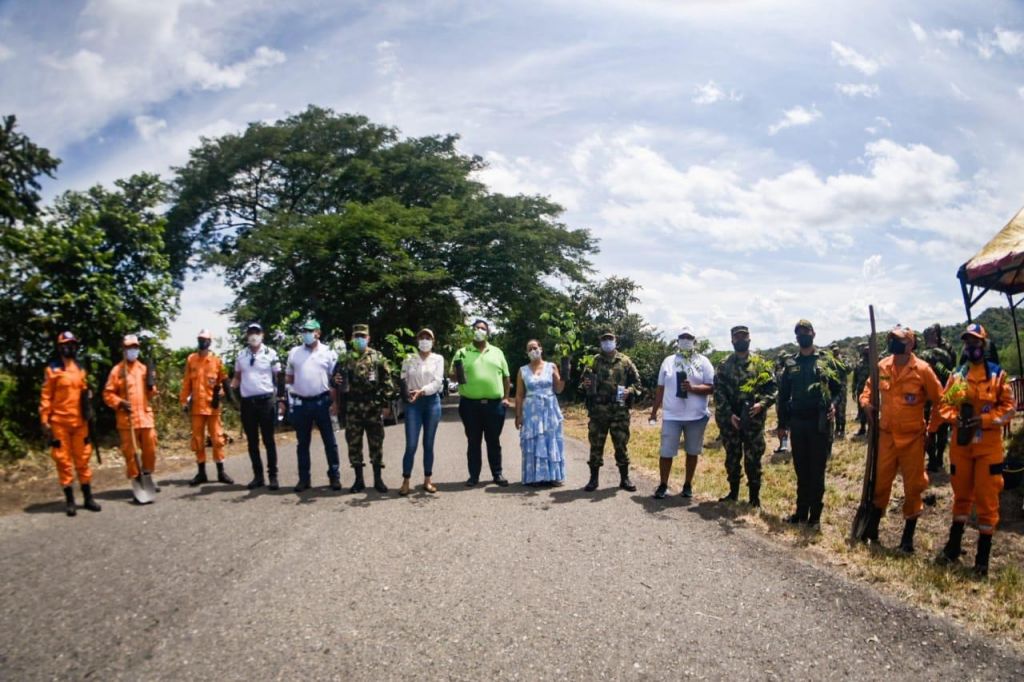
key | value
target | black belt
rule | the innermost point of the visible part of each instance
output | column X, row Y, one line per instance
column 310, row 399
column 254, row 398
column 482, row 401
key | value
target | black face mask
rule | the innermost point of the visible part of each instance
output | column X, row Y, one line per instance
column 741, row 346
column 68, row 351
column 974, row 353
column 204, row 344
column 805, row 340
column 897, row 347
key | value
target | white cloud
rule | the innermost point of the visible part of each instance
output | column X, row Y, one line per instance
column 880, row 123
column 868, row 90
column 797, row 116
column 523, row 175
column 5, row 53
column 1020, row 92
column 847, row 56
column 1010, row 42
column 872, row 267
column 953, row 36
column 958, row 93
column 919, row 33
column 709, row 93
column 148, row 126
column 209, row 76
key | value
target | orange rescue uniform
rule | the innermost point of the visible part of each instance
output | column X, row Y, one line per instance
column 903, row 392
column 202, row 376
column 132, row 387
column 976, row 469
column 60, row 409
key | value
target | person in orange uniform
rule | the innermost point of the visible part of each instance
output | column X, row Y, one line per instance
column 64, row 425
column 129, row 388
column 202, row 391
column 977, row 401
column 906, row 384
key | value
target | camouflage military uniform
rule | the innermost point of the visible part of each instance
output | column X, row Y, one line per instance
column 942, row 360
column 861, row 372
column 370, row 389
column 744, row 446
column 606, row 415
column 843, row 372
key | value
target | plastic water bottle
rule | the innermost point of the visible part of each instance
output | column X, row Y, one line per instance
column 620, row 395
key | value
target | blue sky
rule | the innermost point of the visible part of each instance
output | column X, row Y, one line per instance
column 745, row 161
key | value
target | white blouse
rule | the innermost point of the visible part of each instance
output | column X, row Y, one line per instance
column 423, row 375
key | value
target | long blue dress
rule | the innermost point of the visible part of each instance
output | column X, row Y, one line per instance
column 540, row 436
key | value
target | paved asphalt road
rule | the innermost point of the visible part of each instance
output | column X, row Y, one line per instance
column 503, row 583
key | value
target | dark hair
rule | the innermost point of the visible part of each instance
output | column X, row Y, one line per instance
column 537, row 341
column 483, row 322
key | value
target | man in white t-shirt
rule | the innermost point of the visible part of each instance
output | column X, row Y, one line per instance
column 256, row 372
column 309, row 374
column 685, row 381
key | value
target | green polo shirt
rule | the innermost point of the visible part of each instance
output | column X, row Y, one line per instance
column 485, row 371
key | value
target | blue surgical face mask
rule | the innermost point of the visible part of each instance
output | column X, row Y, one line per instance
column 479, row 335
column 132, row 354
column 360, row 343
column 308, row 338
column 608, row 345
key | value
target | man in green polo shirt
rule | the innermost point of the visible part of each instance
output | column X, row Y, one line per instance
column 482, row 373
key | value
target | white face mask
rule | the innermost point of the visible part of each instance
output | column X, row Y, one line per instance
column 535, row 353
column 479, row 335
column 132, row 354
column 686, row 344
column 608, row 345
column 425, row 345
column 255, row 340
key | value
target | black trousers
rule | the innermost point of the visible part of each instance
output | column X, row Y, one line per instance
column 811, row 450
column 258, row 418
column 482, row 419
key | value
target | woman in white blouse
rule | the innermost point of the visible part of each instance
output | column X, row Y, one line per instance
column 422, row 377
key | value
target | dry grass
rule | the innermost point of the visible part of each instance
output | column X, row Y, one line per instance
column 995, row 606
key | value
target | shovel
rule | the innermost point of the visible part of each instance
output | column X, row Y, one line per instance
column 143, row 488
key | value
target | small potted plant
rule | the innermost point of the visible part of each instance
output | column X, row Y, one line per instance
column 565, row 335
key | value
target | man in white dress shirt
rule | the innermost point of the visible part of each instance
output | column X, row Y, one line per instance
column 309, row 374
column 256, row 378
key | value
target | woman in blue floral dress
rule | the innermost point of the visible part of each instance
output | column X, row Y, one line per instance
column 539, row 419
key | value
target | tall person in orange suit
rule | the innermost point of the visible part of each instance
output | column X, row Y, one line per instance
column 129, row 388
column 61, row 412
column 905, row 383
column 977, row 401
column 202, row 391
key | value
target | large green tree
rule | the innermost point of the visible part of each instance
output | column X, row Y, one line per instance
column 331, row 215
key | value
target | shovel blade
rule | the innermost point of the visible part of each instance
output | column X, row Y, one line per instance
column 139, row 492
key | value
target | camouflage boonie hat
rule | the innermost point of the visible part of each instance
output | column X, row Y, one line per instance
column 803, row 323
column 360, row 329
column 607, row 334
column 739, row 329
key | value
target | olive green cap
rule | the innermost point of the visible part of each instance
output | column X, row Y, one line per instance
column 803, row 323
column 607, row 334
column 739, row 329
column 360, row 329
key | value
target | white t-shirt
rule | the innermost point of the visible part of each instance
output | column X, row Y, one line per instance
column 699, row 370
column 312, row 369
column 257, row 370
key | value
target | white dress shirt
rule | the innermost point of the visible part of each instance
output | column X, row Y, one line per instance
column 423, row 375
column 311, row 368
column 257, row 369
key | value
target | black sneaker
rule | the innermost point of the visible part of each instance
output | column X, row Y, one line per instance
column 273, row 485
column 687, row 491
column 302, row 486
column 660, row 493
column 501, row 480
column 470, row 482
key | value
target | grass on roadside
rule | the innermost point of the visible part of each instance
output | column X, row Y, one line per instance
column 995, row 606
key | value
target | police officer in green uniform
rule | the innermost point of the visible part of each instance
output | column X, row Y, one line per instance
column 861, row 372
column 843, row 370
column 370, row 388
column 940, row 356
column 611, row 384
column 744, row 391
column 808, row 394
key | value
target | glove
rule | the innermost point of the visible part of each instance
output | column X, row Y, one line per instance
column 185, row 408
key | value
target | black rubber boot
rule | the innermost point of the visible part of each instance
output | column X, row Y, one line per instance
column 907, row 541
column 591, row 485
column 981, row 559
column 273, row 484
column 222, row 476
column 200, row 476
column 799, row 516
column 378, row 479
column 359, row 485
column 69, row 501
column 256, row 482
column 624, row 481
column 755, row 496
column 871, row 530
column 814, row 517
column 734, row 493
column 950, row 554
column 89, row 502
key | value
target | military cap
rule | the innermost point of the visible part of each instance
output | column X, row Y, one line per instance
column 803, row 323
column 976, row 330
column 311, row 325
column 66, row 337
column 360, row 329
column 739, row 329
column 607, row 334
column 862, row 346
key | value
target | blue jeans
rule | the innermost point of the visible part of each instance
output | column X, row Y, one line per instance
column 303, row 417
column 423, row 414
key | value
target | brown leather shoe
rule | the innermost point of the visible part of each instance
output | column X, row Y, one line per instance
column 429, row 487
column 404, row 490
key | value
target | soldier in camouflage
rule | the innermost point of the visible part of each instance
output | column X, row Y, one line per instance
column 940, row 356
column 861, row 372
column 610, row 383
column 843, row 370
column 370, row 389
column 780, row 364
column 744, row 391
